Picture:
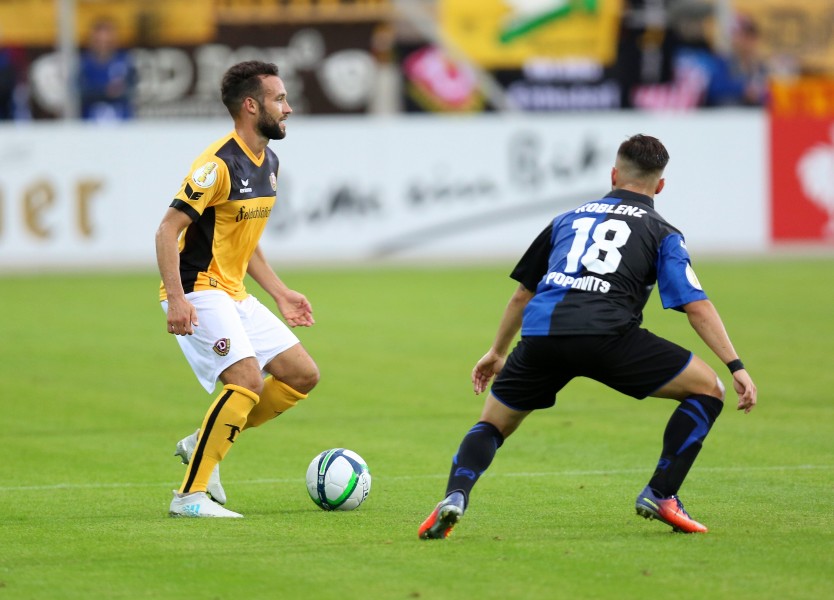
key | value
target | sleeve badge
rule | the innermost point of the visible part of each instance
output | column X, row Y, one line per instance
column 692, row 278
column 206, row 175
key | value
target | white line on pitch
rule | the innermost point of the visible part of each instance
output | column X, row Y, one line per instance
column 86, row 486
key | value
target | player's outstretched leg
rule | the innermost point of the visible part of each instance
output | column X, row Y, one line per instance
column 185, row 448
column 443, row 518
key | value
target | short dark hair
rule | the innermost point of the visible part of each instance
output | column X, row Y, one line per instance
column 645, row 154
column 243, row 80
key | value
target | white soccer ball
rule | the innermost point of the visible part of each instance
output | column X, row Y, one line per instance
column 338, row 479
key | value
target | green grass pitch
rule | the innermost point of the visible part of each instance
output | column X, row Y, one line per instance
column 96, row 394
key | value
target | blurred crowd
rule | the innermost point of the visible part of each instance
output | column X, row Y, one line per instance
column 668, row 57
column 13, row 92
column 106, row 76
column 698, row 74
column 105, row 79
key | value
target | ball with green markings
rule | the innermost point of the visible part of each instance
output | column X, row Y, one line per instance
column 338, row 479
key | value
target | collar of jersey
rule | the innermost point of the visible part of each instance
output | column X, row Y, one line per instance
column 258, row 161
column 630, row 196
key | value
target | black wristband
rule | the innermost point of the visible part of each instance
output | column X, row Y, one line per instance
column 735, row 365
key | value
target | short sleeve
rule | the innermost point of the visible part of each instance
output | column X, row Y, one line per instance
column 533, row 265
column 676, row 279
column 208, row 181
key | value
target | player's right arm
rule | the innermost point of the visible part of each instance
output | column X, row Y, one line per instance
column 182, row 315
column 493, row 361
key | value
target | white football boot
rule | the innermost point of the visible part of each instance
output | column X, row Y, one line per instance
column 198, row 504
column 185, row 448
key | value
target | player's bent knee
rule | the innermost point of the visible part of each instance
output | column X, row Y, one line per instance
column 714, row 387
column 719, row 388
column 715, row 390
column 251, row 380
column 244, row 374
column 308, row 380
column 255, row 385
column 700, row 379
column 296, row 369
column 304, row 378
column 506, row 420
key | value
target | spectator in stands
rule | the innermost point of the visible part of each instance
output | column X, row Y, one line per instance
column 742, row 77
column 107, row 76
column 693, row 64
column 13, row 94
column 701, row 77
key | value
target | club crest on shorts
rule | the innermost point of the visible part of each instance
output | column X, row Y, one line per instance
column 222, row 346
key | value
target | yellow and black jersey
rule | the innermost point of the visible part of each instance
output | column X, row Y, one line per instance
column 229, row 196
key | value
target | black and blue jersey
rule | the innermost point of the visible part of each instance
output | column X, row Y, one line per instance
column 593, row 268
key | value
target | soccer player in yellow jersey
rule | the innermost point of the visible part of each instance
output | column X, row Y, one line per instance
column 207, row 242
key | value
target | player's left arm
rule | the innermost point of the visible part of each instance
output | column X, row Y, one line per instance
column 294, row 306
column 707, row 323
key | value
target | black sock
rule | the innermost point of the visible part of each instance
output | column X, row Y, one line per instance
column 685, row 432
column 474, row 456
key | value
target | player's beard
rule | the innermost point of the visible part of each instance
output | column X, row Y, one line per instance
column 270, row 127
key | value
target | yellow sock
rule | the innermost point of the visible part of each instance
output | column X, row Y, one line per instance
column 221, row 425
column 276, row 398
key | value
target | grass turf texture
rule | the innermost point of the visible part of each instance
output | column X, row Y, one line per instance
column 96, row 395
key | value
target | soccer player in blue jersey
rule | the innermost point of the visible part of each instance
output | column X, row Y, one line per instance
column 583, row 284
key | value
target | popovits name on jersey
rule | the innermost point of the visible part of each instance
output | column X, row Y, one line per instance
column 587, row 283
column 615, row 209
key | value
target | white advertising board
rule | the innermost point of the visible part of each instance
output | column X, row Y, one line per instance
column 362, row 190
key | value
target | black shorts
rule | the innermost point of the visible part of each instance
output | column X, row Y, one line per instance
column 635, row 363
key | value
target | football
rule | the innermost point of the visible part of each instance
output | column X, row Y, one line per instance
column 338, row 479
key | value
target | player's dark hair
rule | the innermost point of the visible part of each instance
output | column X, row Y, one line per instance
column 243, row 80
column 645, row 153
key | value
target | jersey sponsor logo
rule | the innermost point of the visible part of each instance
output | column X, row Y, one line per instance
column 616, row 209
column 259, row 212
column 191, row 194
column 588, row 283
column 245, row 190
column 206, row 175
column 222, row 346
